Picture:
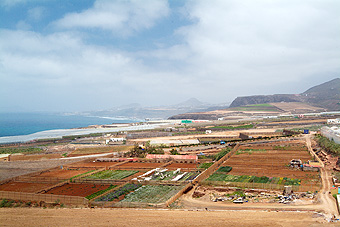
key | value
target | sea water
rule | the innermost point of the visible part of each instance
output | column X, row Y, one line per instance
column 15, row 124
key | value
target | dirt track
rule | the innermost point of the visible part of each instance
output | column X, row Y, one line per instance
column 150, row 218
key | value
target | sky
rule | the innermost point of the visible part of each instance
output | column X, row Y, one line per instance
column 80, row 55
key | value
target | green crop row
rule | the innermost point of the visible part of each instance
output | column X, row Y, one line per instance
column 13, row 150
column 205, row 165
column 152, row 194
column 89, row 197
column 254, row 179
column 112, row 174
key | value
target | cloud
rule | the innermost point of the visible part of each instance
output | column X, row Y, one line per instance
column 36, row 13
column 121, row 17
column 260, row 43
column 226, row 49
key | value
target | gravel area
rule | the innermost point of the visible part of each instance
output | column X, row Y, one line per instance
column 14, row 169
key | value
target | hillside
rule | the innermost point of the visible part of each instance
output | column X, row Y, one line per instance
column 323, row 97
column 326, row 95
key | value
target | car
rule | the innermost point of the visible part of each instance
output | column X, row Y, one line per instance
column 238, row 200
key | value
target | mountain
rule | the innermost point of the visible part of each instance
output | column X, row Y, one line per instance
column 138, row 112
column 326, row 95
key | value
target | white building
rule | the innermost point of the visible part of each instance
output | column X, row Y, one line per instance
column 333, row 121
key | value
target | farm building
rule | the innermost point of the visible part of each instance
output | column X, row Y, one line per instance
column 295, row 163
column 114, row 140
column 5, row 157
column 332, row 133
column 312, row 166
column 333, row 121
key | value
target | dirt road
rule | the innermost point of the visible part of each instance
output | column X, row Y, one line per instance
column 150, row 218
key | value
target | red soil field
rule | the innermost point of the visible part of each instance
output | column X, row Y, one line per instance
column 34, row 157
column 271, row 163
column 92, row 164
column 82, row 190
column 62, row 173
column 137, row 165
column 182, row 165
column 24, row 187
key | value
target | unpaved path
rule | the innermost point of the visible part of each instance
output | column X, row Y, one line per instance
column 151, row 218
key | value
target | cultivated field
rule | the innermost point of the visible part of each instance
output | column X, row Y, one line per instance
column 82, row 190
column 24, row 187
column 273, row 162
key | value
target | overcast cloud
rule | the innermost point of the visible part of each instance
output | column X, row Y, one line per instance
column 112, row 53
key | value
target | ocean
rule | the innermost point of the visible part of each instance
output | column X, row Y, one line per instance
column 16, row 124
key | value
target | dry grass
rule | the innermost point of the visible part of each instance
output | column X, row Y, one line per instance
column 99, row 150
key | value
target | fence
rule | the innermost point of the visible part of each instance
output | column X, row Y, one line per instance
column 48, row 198
column 215, row 166
column 49, row 180
column 296, row 188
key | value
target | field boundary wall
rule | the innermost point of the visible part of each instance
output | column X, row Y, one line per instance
column 215, row 166
column 202, row 176
column 48, row 198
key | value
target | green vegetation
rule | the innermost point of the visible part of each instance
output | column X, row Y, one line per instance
column 257, row 107
column 224, row 169
column 112, row 174
column 169, row 175
column 152, row 194
column 137, row 151
column 253, row 179
column 188, row 133
column 119, row 192
column 81, row 175
column 249, row 126
column 329, row 145
column 222, row 153
column 174, row 152
column 89, row 197
column 250, row 151
column 13, row 150
column 73, row 137
column 205, row 165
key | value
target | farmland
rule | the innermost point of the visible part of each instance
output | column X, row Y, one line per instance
column 112, row 174
column 270, row 161
column 122, row 191
column 82, row 190
column 24, row 187
column 152, row 194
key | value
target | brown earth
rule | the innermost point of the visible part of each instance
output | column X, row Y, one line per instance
column 182, row 165
column 14, row 169
column 272, row 163
column 136, row 165
column 132, row 217
column 62, row 173
column 81, row 190
column 34, row 157
column 24, row 187
column 91, row 164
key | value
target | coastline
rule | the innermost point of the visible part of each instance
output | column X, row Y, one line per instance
column 59, row 133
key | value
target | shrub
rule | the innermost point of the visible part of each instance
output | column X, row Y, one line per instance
column 224, row 169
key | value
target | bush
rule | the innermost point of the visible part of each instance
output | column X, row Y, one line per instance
column 224, row 169
column 205, row 165
column 221, row 154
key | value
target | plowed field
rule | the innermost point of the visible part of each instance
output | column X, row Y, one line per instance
column 136, row 165
column 92, row 164
column 182, row 165
column 23, row 187
column 82, row 190
column 62, row 173
column 272, row 163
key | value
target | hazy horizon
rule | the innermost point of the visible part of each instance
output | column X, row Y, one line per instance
column 97, row 54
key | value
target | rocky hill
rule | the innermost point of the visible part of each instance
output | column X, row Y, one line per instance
column 326, row 95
